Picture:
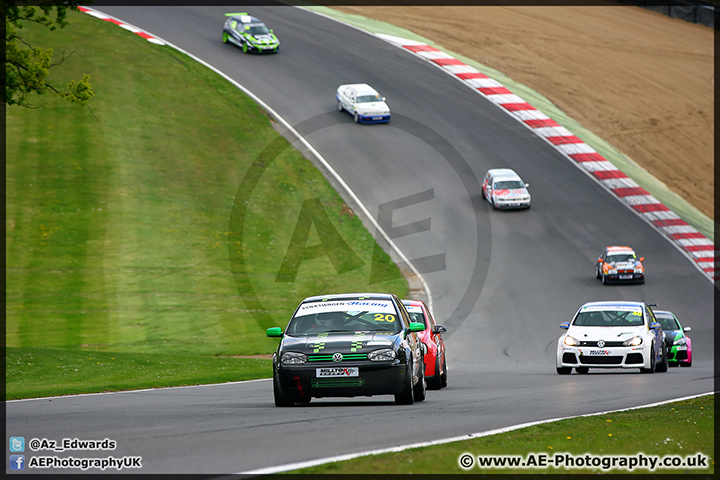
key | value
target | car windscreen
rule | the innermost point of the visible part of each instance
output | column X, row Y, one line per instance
column 345, row 316
column 667, row 322
column 257, row 30
column 369, row 98
column 621, row 257
column 509, row 184
column 416, row 314
column 629, row 317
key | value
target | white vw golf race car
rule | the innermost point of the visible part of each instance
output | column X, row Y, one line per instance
column 363, row 102
column 612, row 335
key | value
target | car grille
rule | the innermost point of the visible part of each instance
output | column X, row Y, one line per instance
column 593, row 343
column 634, row 358
column 569, row 358
column 328, row 357
column 601, row 360
column 337, row 382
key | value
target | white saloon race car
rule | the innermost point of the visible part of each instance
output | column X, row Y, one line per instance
column 612, row 335
column 504, row 188
column 363, row 102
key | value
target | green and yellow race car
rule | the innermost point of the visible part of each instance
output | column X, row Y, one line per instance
column 249, row 33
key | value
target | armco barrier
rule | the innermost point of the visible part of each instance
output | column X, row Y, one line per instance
column 688, row 10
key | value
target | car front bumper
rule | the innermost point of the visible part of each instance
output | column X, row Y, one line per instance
column 511, row 204
column 625, row 277
column 374, row 378
column 373, row 118
column 608, row 357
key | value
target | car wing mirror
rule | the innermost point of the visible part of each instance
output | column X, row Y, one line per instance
column 599, row 260
column 438, row 329
column 527, row 185
column 274, row 332
column 687, row 329
column 565, row 325
column 642, row 259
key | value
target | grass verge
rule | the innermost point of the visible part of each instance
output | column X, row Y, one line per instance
column 682, row 429
column 119, row 225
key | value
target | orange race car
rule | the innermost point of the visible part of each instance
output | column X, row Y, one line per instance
column 619, row 264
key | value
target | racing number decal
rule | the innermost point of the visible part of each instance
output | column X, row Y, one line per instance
column 381, row 317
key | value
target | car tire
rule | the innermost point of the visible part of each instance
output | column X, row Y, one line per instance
column 444, row 376
column 604, row 280
column 435, row 383
column 582, row 370
column 420, row 389
column 597, row 272
column 407, row 397
column 356, row 117
column 662, row 367
column 280, row 399
column 340, row 107
column 652, row 361
column 563, row 370
column 495, row 207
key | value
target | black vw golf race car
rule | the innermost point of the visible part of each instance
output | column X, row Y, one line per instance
column 348, row 345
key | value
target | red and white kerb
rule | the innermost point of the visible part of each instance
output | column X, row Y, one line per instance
column 695, row 245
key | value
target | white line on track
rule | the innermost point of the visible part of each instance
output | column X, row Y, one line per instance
column 400, row 448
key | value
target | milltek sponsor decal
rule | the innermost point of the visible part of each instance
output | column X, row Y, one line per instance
column 337, row 372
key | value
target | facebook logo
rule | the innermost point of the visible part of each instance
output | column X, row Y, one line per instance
column 17, row 444
column 17, row 462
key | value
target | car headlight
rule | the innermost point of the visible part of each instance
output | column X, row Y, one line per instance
column 633, row 342
column 293, row 358
column 638, row 270
column 680, row 341
column 570, row 341
column 382, row 355
column 612, row 270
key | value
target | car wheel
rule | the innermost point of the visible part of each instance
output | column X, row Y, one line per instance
column 604, row 280
column 652, row 361
column 304, row 400
column 225, row 37
column 340, row 107
column 280, row 399
column 435, row 383
column 563, row 370
column 495, row 207
column 356, row 117
column 444, row 376
column 245, row 47
column 663, row 365
column 420, row 391
column 582, row 370
column 407, row 397
column 597, row 272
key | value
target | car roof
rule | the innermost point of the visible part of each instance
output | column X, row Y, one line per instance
column 617, row 248
column 416, row 303
column 509, row 172
column 244, row 18
column 350, row 296
column 618, row 303
column 361, row 88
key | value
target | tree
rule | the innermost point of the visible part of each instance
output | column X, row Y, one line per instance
column 27, row 67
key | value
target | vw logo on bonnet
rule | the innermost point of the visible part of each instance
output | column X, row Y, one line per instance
column 601, row 343
column 337, row 357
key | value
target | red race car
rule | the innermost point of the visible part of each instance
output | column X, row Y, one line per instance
column 435, row 363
